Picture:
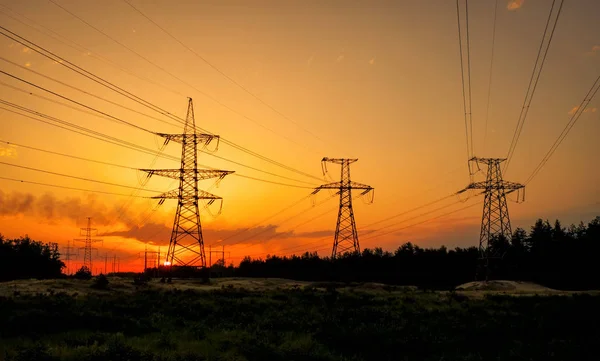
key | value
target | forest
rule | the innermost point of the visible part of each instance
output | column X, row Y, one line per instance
column 549, row 254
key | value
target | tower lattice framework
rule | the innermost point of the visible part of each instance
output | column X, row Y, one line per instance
column 88, row 241
column 186, row 246
column 495, row 220
column 346, row 236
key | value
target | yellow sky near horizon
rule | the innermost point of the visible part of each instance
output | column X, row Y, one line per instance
column 376, row 80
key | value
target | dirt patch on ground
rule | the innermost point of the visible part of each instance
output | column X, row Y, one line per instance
column 511, row 286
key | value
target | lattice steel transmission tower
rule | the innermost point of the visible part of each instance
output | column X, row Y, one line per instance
column 346, row 236
column 87, row 248
column 186, row 236
column 495, row 221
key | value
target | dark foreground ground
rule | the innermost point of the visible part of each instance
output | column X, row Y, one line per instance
column 300, row 322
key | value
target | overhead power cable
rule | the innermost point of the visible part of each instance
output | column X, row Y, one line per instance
column 466, row 94
column 533, row 81
column 487, row 111
column 76, row 177
column 173, row 75
column 112, row 118
column 81, row 49
column 425, row 221
column 69, row 188
column 214, row 67
column 73, row 67
column 127, row 167
column 581, row 108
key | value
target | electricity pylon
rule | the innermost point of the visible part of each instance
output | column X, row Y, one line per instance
column 495, row 221
column 346, row 236
column 87, row 248
column 186, row 236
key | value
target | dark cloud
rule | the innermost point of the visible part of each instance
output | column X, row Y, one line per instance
column 49, row 208
column 159, row 234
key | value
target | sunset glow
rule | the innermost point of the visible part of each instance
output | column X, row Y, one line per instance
column 285, row 83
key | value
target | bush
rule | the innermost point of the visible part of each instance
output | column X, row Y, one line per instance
column 83, row 273
column 100, row 282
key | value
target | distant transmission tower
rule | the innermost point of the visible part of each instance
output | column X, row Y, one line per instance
column 495, row 221
column 186, row 236
column 68, row 255
column 346, row 236
column 87, row 255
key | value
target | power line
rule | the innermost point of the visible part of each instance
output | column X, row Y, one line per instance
column 87, row 93
column 78, row 103
column 173, row 75
column 74, row 177
column 570, row 124
column 103, row 114
column 487, row 111
column 73, row 67
column 80, row 48
column 533, row 81
column 410, row 210
column 67, row 155
column 106, row 116
column 427, row 220
column 132, row 168
column 469, row 74
column 66, row 187
column 280, row 223
column 466, row 105
column 220, row 71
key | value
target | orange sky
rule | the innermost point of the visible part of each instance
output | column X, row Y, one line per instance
column 375, row 80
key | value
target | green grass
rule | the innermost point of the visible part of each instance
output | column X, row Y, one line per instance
column 297, row 324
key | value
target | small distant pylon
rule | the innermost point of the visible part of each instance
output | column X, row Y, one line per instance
column 68, row 255
column 186, row 236
column 346, row 236
column 87, row 248
column 495, row 221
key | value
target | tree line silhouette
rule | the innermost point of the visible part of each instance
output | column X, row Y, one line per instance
column 25, row 258
column 551, row 255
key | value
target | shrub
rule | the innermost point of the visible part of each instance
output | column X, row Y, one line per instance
column 100, row 282
column 83, row 273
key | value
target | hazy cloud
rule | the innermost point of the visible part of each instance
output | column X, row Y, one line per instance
column 159, row 234
column 49, row 208
column 372, row 61
column 340, row 58
column 514, row 4
column 310, row 60
column 587, row 110
column 8, row 152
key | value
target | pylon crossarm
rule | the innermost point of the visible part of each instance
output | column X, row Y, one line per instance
column 487, row 161
column 178, row 138
column 175, row 195
column 512, row 186
column 176, row 173
column 356, row 185
column 335, row 185
column 338, row 160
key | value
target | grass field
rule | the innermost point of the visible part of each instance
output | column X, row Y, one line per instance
column 275, row 319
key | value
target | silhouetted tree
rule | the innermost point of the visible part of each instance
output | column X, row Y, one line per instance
column 548, row 255
column 24, row 258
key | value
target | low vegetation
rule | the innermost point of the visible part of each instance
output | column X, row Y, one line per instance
column 298, row 323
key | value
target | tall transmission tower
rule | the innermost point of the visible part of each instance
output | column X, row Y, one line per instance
column 186, row 236
column 88, row 241
column 346, row 236
column 495, row 221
